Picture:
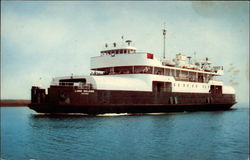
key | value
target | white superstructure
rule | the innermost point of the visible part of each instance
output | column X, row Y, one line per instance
column 123, row 68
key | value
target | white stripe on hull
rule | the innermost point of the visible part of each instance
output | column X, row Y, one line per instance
column 143, row 82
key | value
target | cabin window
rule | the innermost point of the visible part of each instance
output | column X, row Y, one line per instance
column 210, row 77
column 73, row 80
column 184, row 75
column 123, row 70
column 192, row 76
column 143, row 69
column 177, row 73
column 167, row 72
column 158, row 71
column 200, row 77
column 183, row 85
column 172, row 72
column 70, row 82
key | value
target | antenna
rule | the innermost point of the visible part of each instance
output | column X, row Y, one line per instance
column 195, row 59
column 164, row 41
column 122, row 40
column 189, row 59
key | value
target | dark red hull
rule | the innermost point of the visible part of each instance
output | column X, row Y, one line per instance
column 101, row 109
column 68, row 100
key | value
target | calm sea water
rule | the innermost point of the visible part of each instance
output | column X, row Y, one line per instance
column 220, row 135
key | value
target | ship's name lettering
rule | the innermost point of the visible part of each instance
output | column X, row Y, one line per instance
column 84, row 91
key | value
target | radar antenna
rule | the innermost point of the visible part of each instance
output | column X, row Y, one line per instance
column 164, row 41
column 189, row 59
column 128, row 41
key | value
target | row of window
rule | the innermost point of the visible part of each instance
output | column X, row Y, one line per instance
column 189, row 85
column 177, row 74
column 118, row 51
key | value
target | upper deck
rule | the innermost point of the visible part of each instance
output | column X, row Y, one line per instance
column 125, row 59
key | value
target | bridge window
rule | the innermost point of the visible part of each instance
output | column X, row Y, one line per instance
column 192, row 76
column 71, row 82
column 167, row 72
column 123, row 70
column 143, row 69
column 172, row 72
column 177, row 73
column 158, row 71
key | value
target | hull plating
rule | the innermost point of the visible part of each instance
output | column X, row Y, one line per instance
column 100, row 109
column 68, row 100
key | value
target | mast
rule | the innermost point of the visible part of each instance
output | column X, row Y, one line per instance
column 164, row 41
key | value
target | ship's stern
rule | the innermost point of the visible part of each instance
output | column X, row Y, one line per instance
column 39, row 99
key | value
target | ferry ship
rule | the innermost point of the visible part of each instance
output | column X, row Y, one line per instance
column 124, row 80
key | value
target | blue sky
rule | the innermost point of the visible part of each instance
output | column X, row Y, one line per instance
column 42, row 40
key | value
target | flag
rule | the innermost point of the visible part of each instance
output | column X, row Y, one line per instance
column 150, row 56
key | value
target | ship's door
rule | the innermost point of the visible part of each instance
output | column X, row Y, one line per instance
column 215, row 89
column 159, row 87
column 160, row 91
